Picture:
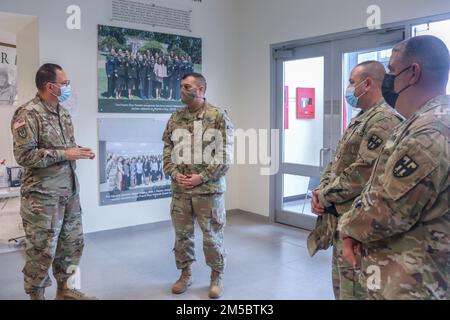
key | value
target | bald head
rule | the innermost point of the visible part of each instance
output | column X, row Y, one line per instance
column 431, row 54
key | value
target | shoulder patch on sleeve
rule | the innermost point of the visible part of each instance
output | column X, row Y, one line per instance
column 374, row 142
column 19, row 126
column 405, row 167
column 408, row 166
column 22, row 132
column 19, row 123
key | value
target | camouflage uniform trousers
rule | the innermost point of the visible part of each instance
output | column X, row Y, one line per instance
column 346, row 279
column 211, row 217
column 61, row 246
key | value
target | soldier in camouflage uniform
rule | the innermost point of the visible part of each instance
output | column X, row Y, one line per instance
column 345, row 176
column 44, row 145
column 402, row 218
column 198, row 185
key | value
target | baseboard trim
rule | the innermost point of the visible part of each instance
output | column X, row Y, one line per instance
column 168, row 223
column 146, row 226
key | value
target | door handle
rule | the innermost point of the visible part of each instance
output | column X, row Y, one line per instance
column 322, row 151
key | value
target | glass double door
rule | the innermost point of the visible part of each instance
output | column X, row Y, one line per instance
column 311, row 114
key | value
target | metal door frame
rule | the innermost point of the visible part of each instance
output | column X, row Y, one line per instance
column 322, row 49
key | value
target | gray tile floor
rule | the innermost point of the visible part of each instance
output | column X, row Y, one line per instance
column 265, row 261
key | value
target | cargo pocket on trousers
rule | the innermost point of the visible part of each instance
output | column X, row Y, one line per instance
column 173, row 204
column 218, row 215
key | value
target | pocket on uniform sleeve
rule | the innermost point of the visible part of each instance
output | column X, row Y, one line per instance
column 219, row 215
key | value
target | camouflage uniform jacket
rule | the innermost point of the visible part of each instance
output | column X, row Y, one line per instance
column 403, row 215
column 198, row 126
column 40, row 139
column 345, row 176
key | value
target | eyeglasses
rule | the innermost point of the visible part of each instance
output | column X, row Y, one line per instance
column 65, row 83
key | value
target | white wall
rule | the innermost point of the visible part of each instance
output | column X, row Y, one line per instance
column 265, row 22
column 28, row 55
column 215, row 21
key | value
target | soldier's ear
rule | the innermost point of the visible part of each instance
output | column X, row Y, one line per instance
column 369, row 82
column 416, row 71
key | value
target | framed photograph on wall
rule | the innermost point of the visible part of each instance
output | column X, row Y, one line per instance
column 140, row 71
column 130, row 160
column 8, row 74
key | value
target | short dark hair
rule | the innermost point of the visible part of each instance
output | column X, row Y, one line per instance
column 197, row 76
column 373, row 69
column 45, row 74
column 431, row 53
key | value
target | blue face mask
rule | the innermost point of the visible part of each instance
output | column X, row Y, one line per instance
column 350, row 97
column 66, row 92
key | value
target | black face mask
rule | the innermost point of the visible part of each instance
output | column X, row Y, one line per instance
column 388, row 88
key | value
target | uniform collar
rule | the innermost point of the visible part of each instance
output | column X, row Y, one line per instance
column 366, row 114
column 46, row 106
column 433, row 103
column 373, row 108
column 199, row 114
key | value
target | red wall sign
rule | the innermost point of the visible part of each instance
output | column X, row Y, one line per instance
column 306, row 103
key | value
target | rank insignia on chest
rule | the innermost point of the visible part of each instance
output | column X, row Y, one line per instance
column 374, row 142
column 405, row 167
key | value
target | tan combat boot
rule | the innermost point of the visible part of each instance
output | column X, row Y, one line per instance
column 37, row 294
column 216, row 287
column 183, row 282
column 65, row 293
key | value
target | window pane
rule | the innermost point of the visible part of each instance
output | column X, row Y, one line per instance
column 440, row 29
column 303, row 111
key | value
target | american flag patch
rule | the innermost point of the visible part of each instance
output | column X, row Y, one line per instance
column 18, row 124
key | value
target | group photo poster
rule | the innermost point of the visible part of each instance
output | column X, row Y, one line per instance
column 131, row 160
column 140, row 71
